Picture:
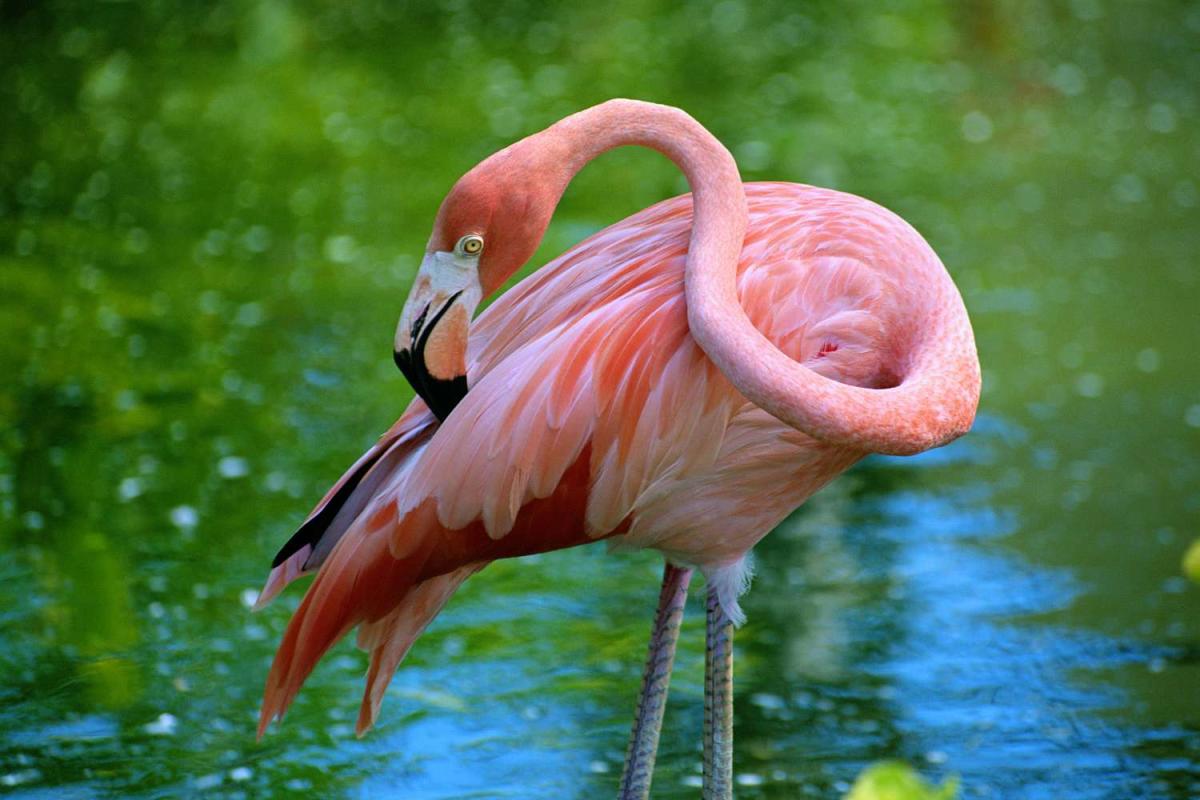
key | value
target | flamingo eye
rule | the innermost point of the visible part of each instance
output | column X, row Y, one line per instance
column 470, row 245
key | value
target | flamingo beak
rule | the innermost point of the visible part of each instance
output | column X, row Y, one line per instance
column 431, row 339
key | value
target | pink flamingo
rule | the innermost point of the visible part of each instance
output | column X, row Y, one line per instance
column 681, row 381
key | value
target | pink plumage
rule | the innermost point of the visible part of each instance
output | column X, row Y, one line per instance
column 597, row 410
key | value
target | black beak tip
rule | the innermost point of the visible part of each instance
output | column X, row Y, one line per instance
column 440, row 395
column 403, row 359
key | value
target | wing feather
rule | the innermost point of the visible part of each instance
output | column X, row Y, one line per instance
column 594, row 351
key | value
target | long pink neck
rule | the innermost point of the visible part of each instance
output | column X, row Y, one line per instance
column 935, row 401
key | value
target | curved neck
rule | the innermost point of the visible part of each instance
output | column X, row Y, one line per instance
column 936, row 400
column 718, row 197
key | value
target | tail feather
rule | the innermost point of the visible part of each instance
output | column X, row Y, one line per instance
column 347, row 591
column 390, row 638
column 392, row 575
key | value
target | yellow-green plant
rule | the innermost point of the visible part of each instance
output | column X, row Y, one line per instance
column 1191, row 562
column 895, row 780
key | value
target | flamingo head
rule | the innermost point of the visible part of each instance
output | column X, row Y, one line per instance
column 487, row 228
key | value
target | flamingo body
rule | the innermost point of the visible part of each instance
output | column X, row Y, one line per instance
column 594, row 414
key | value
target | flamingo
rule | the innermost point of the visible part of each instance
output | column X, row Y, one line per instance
column 680, row 381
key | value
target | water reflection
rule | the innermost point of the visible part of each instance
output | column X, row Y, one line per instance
column 208, row 218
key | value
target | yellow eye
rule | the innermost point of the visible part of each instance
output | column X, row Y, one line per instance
column 471, row 245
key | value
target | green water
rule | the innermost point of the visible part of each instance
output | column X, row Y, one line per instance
column 209, row 216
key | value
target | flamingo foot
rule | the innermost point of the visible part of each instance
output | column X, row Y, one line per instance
column 718, row 701
column 643, row 739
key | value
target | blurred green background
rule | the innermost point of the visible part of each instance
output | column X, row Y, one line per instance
column 209, row 216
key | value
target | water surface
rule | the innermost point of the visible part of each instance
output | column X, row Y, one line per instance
column 209, row 217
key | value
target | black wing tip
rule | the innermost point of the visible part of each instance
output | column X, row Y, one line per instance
column 315, row 526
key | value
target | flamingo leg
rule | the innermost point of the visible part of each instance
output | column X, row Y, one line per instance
column 718, row 702
column 643, row 739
